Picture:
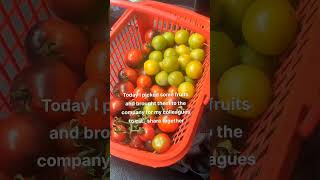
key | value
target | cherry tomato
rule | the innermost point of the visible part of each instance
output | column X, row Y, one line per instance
column 136, row 142
column 118, row 133
column 47, row 80
column 150, row 109
column 123, row 87
column 162, row 78
column 172, row 103
column 149, row 35
column 134, row 58
column 157, row 91
column 173, row 90
column 159, row 43
column 148, row 146
column 167, row 123
column 161, row 143
column 146, row 48
column 93, row 93
column 170, row 52
column 175, row 78
column 57, row 40
column 148, row 132
column 181, row 36
column 151, row 67
column 196, row 41
column 97, row 66
column 197, row 54
column 156, row 55
column 116, row 106
column 186, row 90
column 144, row 81
column 169, row 36
column 128, row 74
column 182, row 49
column 139, row 91
column 151, row 119
column 194, row 69
column 183, row 60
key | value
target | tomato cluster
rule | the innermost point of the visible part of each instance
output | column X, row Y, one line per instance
column 159, row 77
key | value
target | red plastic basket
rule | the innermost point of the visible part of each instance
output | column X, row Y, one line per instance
column 126, row 34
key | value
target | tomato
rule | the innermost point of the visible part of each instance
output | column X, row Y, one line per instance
column 57, row 40
column 150, row 109
column 77, row 11
column 181, row 36
column 128, row 74
column 134, row 58
column 141, row 72
column 152, row 119
column 246, row 84
column 159, row 43
column 161, row 143
column 187, row 79
column 148, row 146
column 151, row 67
column 183, row 60
column 175, row 78
column 149, row 35
column 148, row 132
column 146, row 48
column 118, row 133
column 24, row 138
column 182, row 49
column 197, row 54
column 45, row 80
column 167, row 123
column 194, row 69
column 77, row 172
column 140, row 95
column 169, row 36
column 97, row 66
column 173, row 90
column 96, row 30
column 116, row 106
column 170, row 64
column 261, row 24
column 157, row 91
column 136, row 142
column 186, row 90
column 196, row 41
column 123, row 87
column 171, row 103
column 170, row 52
column 144, row 81
column 156, row 55
column 162, row 78
column 92, row 92
column 65, row 144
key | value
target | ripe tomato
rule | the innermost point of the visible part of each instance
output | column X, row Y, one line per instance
column 172, row 103
column 157, row 91
column 134, row 58
column 123, row 87
column 118, row 133
column 161, row 143
column 152, row 119
column 116, row 106
column 149, row 35
column 186, row 90
column 139, row 91
column 194, row 69
column 128, row 74
column 181, row 36
column 23, row 138
column 97, row 66
column 159, row 43
column 172, row 90
column 146, row 48
column 92, row 92
column 136, row 142
column 148, row 132
column 144, row 81
column 196, row 41
column 44, row 80
column 167, row 123
column 59, row 40
column 65, row 144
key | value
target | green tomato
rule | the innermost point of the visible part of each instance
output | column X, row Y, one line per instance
column 196, row 41
column 150, row 109
column 187, row 79
column 170, row 52
column 170, row 64
column 186, row 90
column 162, row 78
column 159, row 43
column 182, row 49
column 194, row 69
column 156, row 55
column 181, row 36
column 169, row 36
column 184, row 59
column 175, row 78
column 197, row 54
column 151, row 67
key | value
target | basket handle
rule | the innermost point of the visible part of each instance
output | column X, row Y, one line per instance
column 311, row 121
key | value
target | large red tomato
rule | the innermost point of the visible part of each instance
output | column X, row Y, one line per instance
column 97, row 63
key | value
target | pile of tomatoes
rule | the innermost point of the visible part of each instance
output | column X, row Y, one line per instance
column 166, row 68
column 68, row 62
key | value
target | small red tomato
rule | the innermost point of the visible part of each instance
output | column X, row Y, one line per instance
column 148, row 132
column 139, row 91
column 161, row 143
column 152, row 119
column 118, row 133
column 123, row 88
column 128, row 74
column 149, row 35
column 144, row 81
column 146, row 48
column 116, row 106
column 136, row 142
column 172, row 90
column 168, row 123
column 134, row 58
column 171, row 103
column 132, row 105
column 157, row 91
column 141, row 71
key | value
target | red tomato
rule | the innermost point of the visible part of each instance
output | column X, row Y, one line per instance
column 97, row 66
column 116, row 106
column 92, row 92
column 216, row 174
column 152, row 117
column 161, row 143
column 172, row 103
column 123, row 87
column 144, row 81
column 128, row 74
column 136, row 142
column 134, row 58
column 65, row 144
column 140, row 97
column 149, row 35
column 167, row 123
column 58, row 40
column 118, row 133
column 148, row 132
column 172, row 90
column 157, row 91
column 146, row 48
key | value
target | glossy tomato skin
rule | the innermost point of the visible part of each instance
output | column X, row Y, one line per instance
column 123, row 87
column 144, row 81
column 118, row 133
column 50, row 80
column 57, row 40
column 134, row 58
column 149, row 35
column 148, row 132
column 92, row 92
column 161, row 143
column 168, row 127
column 78, row 11
column 97, row 66
column 116, row 106
column 157, row 91
column 139, row 91
column 172, row 90
column 23, row 139
column 128, row 74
